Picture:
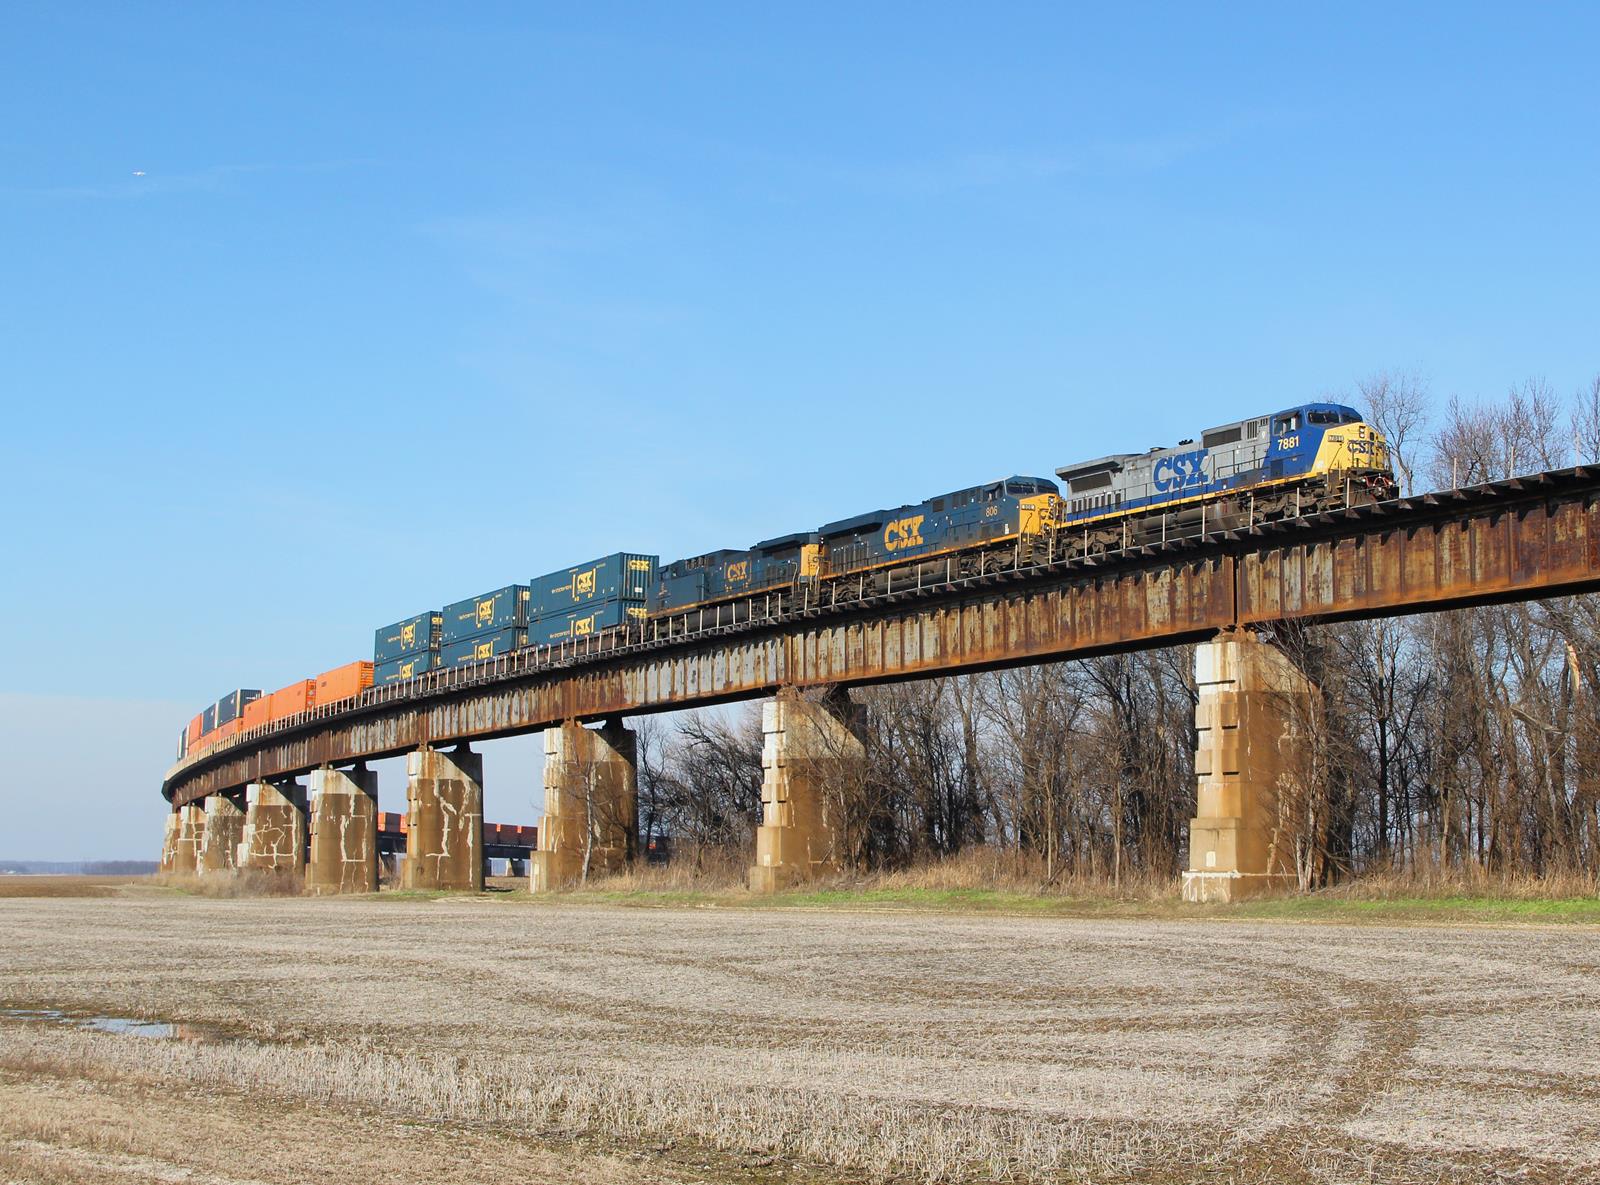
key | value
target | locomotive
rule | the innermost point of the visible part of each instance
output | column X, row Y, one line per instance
column 1303, row 460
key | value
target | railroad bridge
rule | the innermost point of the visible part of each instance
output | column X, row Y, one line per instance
column 1524, row 538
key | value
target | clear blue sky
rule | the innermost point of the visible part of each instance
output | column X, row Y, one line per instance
column 407, row 304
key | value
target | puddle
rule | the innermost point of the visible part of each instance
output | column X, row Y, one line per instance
column 125, row 1025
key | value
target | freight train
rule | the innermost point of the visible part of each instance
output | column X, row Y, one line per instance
column 1302, row 460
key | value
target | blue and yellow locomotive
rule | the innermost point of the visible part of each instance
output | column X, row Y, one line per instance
column 1303, row 460
column 1306, row 459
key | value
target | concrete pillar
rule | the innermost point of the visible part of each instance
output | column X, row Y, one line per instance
column 1251, row 700
column 444, row 819
column 169, row 843
column 344, row 831
column 219, row 839
column 191, row 829
column 516, row 867
column 591, row 804
column 274, row 838
column 810, row 758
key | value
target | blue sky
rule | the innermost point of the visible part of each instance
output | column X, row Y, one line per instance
column 415, row 301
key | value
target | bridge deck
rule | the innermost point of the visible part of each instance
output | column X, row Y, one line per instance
column 1523, row 538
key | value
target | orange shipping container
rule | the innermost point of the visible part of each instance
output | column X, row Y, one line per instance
column 293, row 699
column 256, row 713
column 195, row 726
column 223, row 731
column 343, row 682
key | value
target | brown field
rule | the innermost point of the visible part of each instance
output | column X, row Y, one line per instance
column 494, row 1039
column 64, row 886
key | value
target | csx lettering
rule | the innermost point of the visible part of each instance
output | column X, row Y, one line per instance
column 638, row 565
column 738, row 572
column 486, row 612
column 904, row 533
column 1181, row 471
column 583, row 584
column 408, row 634
column 584, row 625
column 483, row 650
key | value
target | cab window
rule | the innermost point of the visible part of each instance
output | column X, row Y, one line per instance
column 1289, row 423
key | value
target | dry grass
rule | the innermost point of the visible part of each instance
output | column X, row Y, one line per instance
column 920, row 1046
column 252, row 882
column 65, row 886
column 1427, row 881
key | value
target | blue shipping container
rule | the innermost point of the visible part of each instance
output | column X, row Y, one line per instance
column 408, row 666
column 490, row 645
column 504, row 608
column 231, row 706
column 208, row 720
column 407, row 637
column 624, row 576
column 579, row 623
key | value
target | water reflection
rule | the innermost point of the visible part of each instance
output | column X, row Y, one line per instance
column 127, row 1026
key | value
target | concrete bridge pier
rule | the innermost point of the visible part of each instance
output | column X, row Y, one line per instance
column 1252, row 700
column 274, row 837
column 444, row 823
column 344, row 831
column 591, row 804
column 219, row 837
column 811, row 757
column 169, row 842
column 515, row 867
column 191, row 829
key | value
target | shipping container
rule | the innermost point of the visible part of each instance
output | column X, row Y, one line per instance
column 343, row 682
column 492, row 645
column 410, row 636
column 400, row 669
column 224, row 731
column 208, row 721
column 579, row 623
column 231, row 706
column 257, row 712
column 625, row 576
column 183, row 744
column 197, row 729
column 292, row 700
column 504, row 608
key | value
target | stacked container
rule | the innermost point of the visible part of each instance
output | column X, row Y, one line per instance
column 292, row 700
column 485, row 626
column 343, row 682
column 587, row 598
column 231, row 706
column 407, row 648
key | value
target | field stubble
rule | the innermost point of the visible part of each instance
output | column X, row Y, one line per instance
column 852, row 1045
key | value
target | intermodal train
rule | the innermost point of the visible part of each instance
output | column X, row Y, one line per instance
column 1302, row 460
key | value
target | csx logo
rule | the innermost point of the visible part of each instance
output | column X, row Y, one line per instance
column 583, row 625
column 638, row 565
column 583, row 584
column 1181, row 471
column 483, row 650
column 903, row 533
column 738, row 573
column 408, row 634
column 486, row 612
column 408, row 669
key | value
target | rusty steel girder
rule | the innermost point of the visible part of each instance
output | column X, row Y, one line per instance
column 1515, row 540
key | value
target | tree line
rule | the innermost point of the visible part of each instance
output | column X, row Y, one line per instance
column 1466, row 740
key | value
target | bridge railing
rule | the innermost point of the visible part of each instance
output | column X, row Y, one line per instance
column 764, row 609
